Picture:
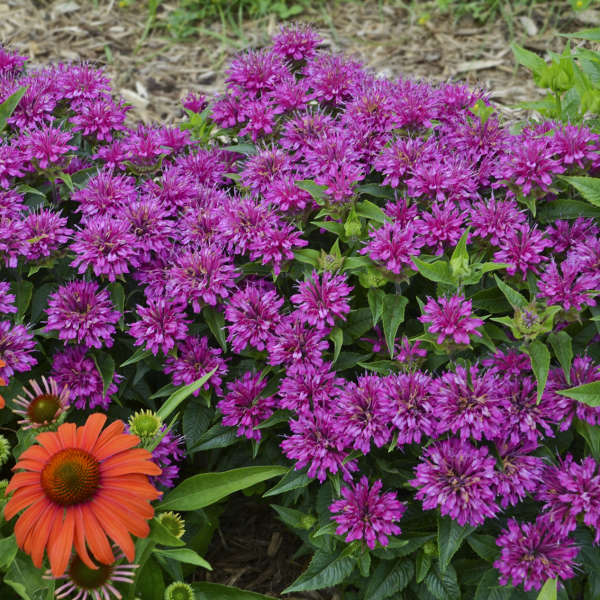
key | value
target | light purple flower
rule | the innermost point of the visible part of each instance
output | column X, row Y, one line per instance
column 451, row 317
column 46, row 231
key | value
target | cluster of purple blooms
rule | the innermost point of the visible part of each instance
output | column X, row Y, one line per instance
column 185, row 220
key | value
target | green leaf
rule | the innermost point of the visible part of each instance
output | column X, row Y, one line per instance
column 331, row 226
column 307, row 256
column 23, row 291
column 392, row 315
column 294, row 518
column 317, row 191
column 40, row 299
column 139, row 354
column 66, row 179
column 450, row 537
column 548, row 591
column 369, row 210
column 442, row 586
column 176, row 398
column 515, row 299
column 490, row 589
column 25, row 579
column 528, row 59
column 484, row 546
column 423, row 564
column 205, row 489
column 438, row 271
column 247, row 149
column 292, row 480
column 588, row 393
column 185, row 555
column 217, row 436
column 325, row 570
column 563, row 350
column 216, row 323
column 161, row 535
column 591, row 434
column 347, row 360
column 399, row 547
column 8, row 106
column 566, row 209
column 375, row 298
column 8, row 551
column 117, row 296
column 215, row 591
column 150, row 584
column 195, row 422
column 105, row 364
column 389, row 578
column 460, row 256
column 592, row 34
column 540, row 364
column 588, row 187
column 337, row 337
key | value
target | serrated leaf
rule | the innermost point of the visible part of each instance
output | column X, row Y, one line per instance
column 392, row 316
column 548, row 591
column 8, row 106
column 205, row 489
column 485, row 546
column 528, row 59
column 117, row 296
column 438, row 271
column 422, row 564
column 185, row 555
column 375, row 298
column 588, row 393
column 105, row 364
column 317, row 192
column 563, row 350
column 389, row 578
column 588, row 187
column 450, row 538
column 515, row 299
column 307, row 256
column 216, row 436
column 195, row 422
column 216, row 323
column 292, row 480
column 443, row 586
column 591, row 434
column 490, row 589
column 370, row 210
column 540, row 364
column 337, row 337
column 324, row 570
column 177, row 397
column 139, row 354
column 23, row 291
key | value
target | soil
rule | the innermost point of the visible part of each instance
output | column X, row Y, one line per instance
column 153, row 71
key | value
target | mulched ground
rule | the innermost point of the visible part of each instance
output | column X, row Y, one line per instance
column 252, row 549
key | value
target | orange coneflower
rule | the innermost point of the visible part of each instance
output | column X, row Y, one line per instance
column 80, row 485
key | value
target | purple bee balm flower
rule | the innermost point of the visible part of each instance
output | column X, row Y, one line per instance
column 365, row 410
column 144, row 146
column 332, row 77
column 46, row 230
column 469, row 404
column 397, row 160
column 511, row 363
column 321, row 300
column 14, row 162
column 570, row 489
column 289, row 94
column 114, row 154
column 413, row 415
column 519, row 473
column 105, row 194
column 11, row 62
column 583, row 370
column 394, row 245
column 83, row 82
column 409, row 354
column 16, row 349
column 99, row 118
column 305, row 129
column 576, row 145
column 253, row 312
column 195, row 102
column 244, row 407
column 36, row 106
column 451, row 317
column 80, row 312
column 11, row 203
column 175, row 139
column 74, row 369
column 277, row 245
column 314, row 442
column 201, row 276
column 566, row 235
column 415, row 104
column 226, row 111
column 295, row 344
column 571, row 288
column 7, row 301
column 167, row 455
column 259, row 116
column 265, row 167
column 195, row 358
column 107, row 245
column 13, row 240
column 161, row 323
column 443, row 227
column 494, row 218
column 309, row 388
column 47, row 145
column 255, row 71
column 533, row 553
column 296, row 42
column 458, row 478
column 367, row 514
column 285, row 196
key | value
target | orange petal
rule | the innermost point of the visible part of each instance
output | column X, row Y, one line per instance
column 37, row 453
column 95, row 536
column 117, row 444
column 132, row 520
column 24, row 479
column 2, row 401
column 60, row 543
column 67, row 434
column 21, row 498
column 50, row 441
column 87, row 435
column 131, row 503
column 37, row 538
column 115, row 428
column 80, row 545
column 29, row 519
column 137, row 485
column 115, row 529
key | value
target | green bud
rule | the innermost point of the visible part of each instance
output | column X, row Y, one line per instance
column 145, row 424
column 330, row 262
column 4, row 450
column 179, row 591
column 172, row 522
column 371, row 278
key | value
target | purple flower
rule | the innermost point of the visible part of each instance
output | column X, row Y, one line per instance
column 253, row 312
column 47, row 145
column 265, row 167
column 82, row 313
column 521, row 248
column 314, row 442
column 13, row 240
column 397, row 160
column 469, row 404
column 36, row 106
column 568, row 490
column 567, row 235
column 244, row 407
column 161, row 323
column 195, row 358
column 46, row 230
column 295, row 344
column 442, row 227
column 11, row 202
column 494, row 218
column 105, row 194
column 107, row 246
column 413, row 415
column 519, row 472
column 7, row 301
column 16, row 349
column 321, row 300
column 409, row 354
column 201, row 276
column 576, row 145
column 73, row 368
column 296, row 42
column 255, row 71
column 458, row 478
column 83, row 82
column 259, row 116
column 101, row 118
column 510, row 363
column 276, row 245
column 365, row 410
column 283, row 193
column 571, row 288
column 451, row 317
column 14, row 162
column 532, row 553
column 144, row 146
column 195, row 102
column 367, row 514
column 167, row 454
column 11, row 61
column 332, row 77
